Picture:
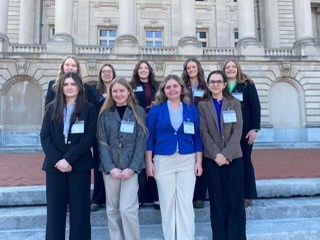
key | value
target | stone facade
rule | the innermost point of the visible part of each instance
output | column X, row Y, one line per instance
column 282, row 58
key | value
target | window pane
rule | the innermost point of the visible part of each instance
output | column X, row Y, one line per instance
column 112, row 33
column 103, row 32
column 158, row 44
column 149, row 34
column 103, row 43
column 203, row 35
column 236, row 35
column 204, row 44
column 158, row 34
column 149, row 44
column 111, row 43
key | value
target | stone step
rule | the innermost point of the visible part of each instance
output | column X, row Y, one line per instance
column 13, row 218
column 35, row 195
column 285, row 229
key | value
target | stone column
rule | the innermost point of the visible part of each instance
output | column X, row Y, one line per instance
column 127, row 41
column 62, row 41
column 188, row 43
column 272, row 24
column 305, row 44
column 303, row 21
column 4, row 41
column 26, row 26
column 247, row 44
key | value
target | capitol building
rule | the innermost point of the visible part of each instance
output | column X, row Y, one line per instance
column 277, row 43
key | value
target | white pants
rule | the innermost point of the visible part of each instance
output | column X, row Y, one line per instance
column 122, row 207
column 176, row 181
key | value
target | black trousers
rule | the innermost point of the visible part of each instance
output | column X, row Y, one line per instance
column 227, row 211
column 200, row 190
column 61, row 188
column 250, row 189
column 148, row 191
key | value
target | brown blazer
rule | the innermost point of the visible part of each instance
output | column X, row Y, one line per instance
column 228, row 143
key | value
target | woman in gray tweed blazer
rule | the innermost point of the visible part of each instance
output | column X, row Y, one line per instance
column 220, row 130
column 122, row 144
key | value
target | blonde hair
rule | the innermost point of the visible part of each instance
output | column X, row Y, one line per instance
column 61, row 71
column 161, row 96
column 241, row 76
column 131, row 101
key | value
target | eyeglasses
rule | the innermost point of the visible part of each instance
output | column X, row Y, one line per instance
column 218, row 82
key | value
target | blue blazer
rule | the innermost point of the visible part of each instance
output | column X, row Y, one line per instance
column 163, row 138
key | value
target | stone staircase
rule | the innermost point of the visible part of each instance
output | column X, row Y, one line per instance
column 287, row 209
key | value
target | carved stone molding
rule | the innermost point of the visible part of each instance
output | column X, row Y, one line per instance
column 22, row 67
column 92, row 67
column 285, row 69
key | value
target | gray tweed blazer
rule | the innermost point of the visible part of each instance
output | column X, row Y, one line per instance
column 228, row 143
column 118, row 149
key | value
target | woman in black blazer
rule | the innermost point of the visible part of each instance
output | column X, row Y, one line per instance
column 242, row 87
column 193, row 76
column 145, row 87
column 67, row 134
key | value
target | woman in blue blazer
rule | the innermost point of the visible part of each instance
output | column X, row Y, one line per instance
column 174, row 139
column 67, row 134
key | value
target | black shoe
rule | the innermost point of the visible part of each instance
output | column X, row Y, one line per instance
column 198, row 204
column 156, row 205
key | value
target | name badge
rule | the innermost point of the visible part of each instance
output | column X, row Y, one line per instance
column 229, row 116
column 238, row 95
column 188, row 127
column 138, row 89
column 126, row 127
column 77, row 127
column 198, row 93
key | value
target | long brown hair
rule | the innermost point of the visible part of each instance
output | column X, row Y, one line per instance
column 185, row 76
column 59, row 101
column 131, row 101
column 161, row 96
column 135, row 81
column 241, row 76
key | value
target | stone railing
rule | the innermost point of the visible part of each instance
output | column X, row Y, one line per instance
column 93, row 49
column 219, row 51
column 158, row 50
column 278, row 52
column 27, row 48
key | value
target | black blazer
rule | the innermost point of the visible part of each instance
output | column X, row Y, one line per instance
column 141, row 96
column 250, row 106
column 77, row 150
column 90, row 94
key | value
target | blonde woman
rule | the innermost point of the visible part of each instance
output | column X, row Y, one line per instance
column 122, row 143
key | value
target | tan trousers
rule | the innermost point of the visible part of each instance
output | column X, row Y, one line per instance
column 176, row 180
column 122, row 207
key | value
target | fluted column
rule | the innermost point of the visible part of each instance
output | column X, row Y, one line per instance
column 26, row 26
column 62, row 41
column 4, row 41
column 272, row 24
column 303, row 21
column 246, row 23
column 188, row 43
column 126, row 41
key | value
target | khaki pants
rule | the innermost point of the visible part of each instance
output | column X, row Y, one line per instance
column 176, row 180
column 122, row 207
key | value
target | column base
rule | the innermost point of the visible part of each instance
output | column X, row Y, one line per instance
column 189, row 45
column 126, row 44
column 310, row 48
column 250, row 47
column 61, row 43
column 4, row 43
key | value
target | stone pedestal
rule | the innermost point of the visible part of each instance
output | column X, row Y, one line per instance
column 189, row 46
column 61, row 43
column 306, row 49
column 250, row 48
column 4, row 43
column 126, row 44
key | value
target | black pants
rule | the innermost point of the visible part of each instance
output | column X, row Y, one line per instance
column 200, row 190
column 61, row 188
column 99, row 193
column 225, row 187
column 148, row 191
column 250, row 189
